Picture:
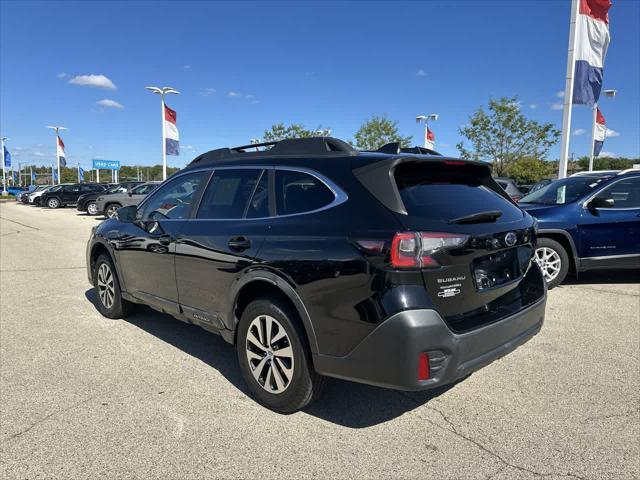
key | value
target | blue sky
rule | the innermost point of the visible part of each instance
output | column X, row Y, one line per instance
column 243, row 66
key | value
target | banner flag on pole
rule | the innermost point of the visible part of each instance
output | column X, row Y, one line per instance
column 15, row 177
column 61, row 155
column 172, row 138
column 33, row 177
column 80, row 174
column 7, row 157
column 430, row 138
column 55, row 174
column 592, row 41
column 600, row 134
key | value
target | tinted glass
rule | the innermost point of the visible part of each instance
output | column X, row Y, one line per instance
column 439, row 192
column 564, row 191
column 298, row 192
column 142, row 189
column 228, row 193
column 259, row 204
column 625, row 193
column 174, row 199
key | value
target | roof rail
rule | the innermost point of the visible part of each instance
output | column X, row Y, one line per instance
column 395, row 148
column 310, row 146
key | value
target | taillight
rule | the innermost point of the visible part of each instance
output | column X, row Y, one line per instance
column 416, row 249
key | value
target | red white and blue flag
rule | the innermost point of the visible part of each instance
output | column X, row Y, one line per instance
column 429, row 139
column 61, row 155
column 600, row 134
column 592, row 41
column 171, row 136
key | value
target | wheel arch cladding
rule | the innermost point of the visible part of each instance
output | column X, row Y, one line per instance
column 274, row 288
column 564, row 240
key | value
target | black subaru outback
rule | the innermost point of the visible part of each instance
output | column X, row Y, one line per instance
column 398, row 268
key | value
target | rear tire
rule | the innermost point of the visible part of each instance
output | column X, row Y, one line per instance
column 92, row 208
column 111, row 209
column 274, row 357
column 53, row 203
column 110, row 302
column 553, row 261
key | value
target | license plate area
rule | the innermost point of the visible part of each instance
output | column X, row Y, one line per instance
column 500, row 268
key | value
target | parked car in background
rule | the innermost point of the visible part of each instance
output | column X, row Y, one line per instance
column 24, row 197
column 587, row 222
column 596, row 173
column 35, row 197
column 396, row 269
column 68, row 194
column 87, row 201
column 16, row 190
column 110, row 203
column 509, row 185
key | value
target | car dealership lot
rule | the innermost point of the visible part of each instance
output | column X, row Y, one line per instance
column 83, row 396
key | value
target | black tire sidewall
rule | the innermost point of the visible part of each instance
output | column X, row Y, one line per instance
column 564, row 260
column 299, row 391
column 119, row 307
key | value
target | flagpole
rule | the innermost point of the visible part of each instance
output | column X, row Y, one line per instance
column 4, row 170
column 568, row 92
column 593, row 135
column 57, row 129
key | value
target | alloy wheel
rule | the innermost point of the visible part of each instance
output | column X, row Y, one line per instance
column 111, row 211
column 549, row 262
column 53, row 203
column 92, row 209
column 106, row 285
column 269, row 354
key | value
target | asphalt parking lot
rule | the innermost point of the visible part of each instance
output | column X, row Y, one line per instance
column 82, row 396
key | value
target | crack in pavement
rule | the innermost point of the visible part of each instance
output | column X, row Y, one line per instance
column 479, row 445
column 614, row 292
column 613, row 415
column 18, row 223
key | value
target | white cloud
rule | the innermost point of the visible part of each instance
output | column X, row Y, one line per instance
column 533, row 106
column 557, row 106
column 249, row 97
column 207, row 92
column 188, row 147
column 612, row 133
column 62, row 75
column 560, row 94
column 608, row 155
column 187, row 67
column 579, row 131
column 99, row 81
column 109, row 103
column 233, row 94
column 421, row 73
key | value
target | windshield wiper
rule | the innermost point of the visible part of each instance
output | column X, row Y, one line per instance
column 479, row 217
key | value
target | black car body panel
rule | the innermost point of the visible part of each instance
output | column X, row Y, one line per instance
column 69, row 194
column 329, row 255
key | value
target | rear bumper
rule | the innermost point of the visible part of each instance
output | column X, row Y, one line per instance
column 388, row 356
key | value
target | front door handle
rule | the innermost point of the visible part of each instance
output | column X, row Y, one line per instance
column 239, row 243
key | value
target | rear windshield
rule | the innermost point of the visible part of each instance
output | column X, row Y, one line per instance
column 442, row 192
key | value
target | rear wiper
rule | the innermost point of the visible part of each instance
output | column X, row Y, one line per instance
column 479, row 217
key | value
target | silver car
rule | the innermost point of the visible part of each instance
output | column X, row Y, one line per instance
column 109, row 204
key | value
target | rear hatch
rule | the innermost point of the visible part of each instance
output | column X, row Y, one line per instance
column 475, row 244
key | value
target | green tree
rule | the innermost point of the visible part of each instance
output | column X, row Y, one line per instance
column 377, row 131
column 280, row 131
column 607, row 163
column 528, row 170
column 503, row 135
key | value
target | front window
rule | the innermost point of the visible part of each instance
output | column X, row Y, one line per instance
column 625, row 193
column 174, row 199
column 564, row 191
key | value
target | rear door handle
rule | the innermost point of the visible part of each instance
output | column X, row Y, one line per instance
column 239, row 243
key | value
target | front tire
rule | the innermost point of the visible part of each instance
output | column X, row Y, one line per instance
column 110, row 302
column 553, row 261
column 53, row 203
column 92, row 208
column 110, row 210
column 275, row 360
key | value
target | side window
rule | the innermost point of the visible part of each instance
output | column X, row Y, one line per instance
column 142, row 189
column 259, row 205
column 625, row 193
column 174, row 200
column 228, row 193
column 298, row 192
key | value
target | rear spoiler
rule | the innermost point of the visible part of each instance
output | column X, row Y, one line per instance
column 379, row 178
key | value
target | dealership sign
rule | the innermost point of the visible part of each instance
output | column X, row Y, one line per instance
column 106, row 164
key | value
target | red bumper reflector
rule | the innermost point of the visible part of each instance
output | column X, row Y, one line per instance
column 424, row 372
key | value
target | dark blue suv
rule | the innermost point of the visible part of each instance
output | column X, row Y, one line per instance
column 587, row 222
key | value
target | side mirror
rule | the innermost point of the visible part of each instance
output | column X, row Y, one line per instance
column 127, row 214
column 129, row 193
column 601, row 202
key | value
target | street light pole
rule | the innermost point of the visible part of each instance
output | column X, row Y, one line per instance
column 425, row 119
column 4, row 172
column 57, row 129
column 162, row 92
column 607, row 93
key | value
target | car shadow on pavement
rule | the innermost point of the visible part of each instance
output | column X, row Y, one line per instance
column 344, row 403
column 596, row 277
